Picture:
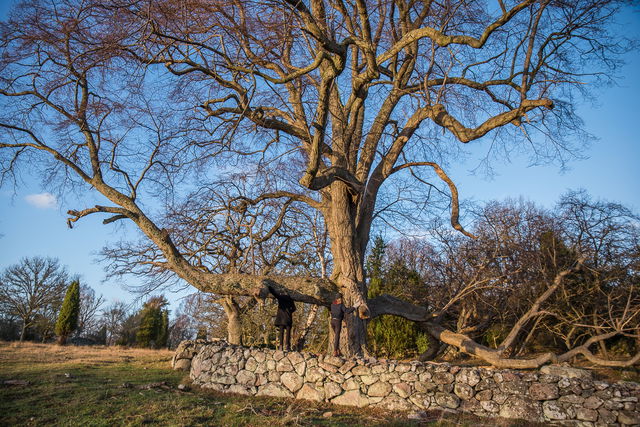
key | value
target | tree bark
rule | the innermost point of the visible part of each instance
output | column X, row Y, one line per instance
column 487, row 354
column 309, row 290
column 302, row 338
column 348, row 257
column 234, row 322
column 23, row 332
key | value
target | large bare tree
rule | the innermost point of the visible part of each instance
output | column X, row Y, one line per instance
column 361, row 104
column 32, row 290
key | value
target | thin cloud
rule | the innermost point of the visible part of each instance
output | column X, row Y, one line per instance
column 42, row 200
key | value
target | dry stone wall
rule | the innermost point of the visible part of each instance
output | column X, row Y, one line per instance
column 553, row 394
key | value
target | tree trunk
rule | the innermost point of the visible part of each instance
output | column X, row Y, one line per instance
column 311, row 317
column 347, row 249
column 23, row 332
column 353, row 339
column 234, row 323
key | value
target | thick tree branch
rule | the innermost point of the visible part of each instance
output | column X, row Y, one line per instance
column 120, row 213
column 329, row 176
column 439, row 114
column 304, row 289
column 242, row 201
column 445, row 40
column 314, row 149
column 455, row 205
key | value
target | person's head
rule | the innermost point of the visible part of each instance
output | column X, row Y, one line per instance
column 338, row 300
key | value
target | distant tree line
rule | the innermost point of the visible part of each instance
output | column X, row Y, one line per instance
column 33, row 306
column 39, row 302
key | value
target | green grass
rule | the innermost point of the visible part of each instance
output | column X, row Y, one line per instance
column 98, row 386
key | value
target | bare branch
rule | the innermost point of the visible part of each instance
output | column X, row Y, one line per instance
column 120, row 214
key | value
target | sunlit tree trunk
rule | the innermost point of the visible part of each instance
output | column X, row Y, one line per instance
column 234, row 322
column 347, row 250
column 311, row 318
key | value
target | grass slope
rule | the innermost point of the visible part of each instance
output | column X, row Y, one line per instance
column 43, row 384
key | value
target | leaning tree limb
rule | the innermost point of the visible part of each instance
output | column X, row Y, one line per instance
column 387, row 304
column 309, row 290
column 535, row 309
column 583, row 350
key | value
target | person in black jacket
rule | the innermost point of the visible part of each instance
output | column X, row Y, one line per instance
column 338, row 310
column 284, row 318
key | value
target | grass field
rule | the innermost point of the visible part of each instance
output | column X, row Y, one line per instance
column 45, row 384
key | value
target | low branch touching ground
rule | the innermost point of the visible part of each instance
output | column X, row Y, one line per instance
column 387, row 304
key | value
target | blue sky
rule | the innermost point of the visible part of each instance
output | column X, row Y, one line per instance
column 32, row 223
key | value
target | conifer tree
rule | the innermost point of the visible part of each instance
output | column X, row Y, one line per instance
column 128, row 330
column 388, row 335
column 163, row 336
column 151, row 325
column 68, row 317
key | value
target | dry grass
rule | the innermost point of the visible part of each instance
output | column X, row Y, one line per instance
column 55, row 354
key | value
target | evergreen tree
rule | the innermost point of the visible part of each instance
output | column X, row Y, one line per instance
column 68, row 317
column 163, row 336
column 127, row 331
column 150, row 332
column 389, row 335
column 147, row 334
column 375, row 263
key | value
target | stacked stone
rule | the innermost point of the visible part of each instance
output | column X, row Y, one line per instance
column 181, row 360
column 551, row 395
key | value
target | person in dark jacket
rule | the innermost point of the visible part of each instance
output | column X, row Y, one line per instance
column 284, row 318
column 338, row 310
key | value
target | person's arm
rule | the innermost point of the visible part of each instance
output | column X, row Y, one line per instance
column 348, row 310
column 272, row 291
